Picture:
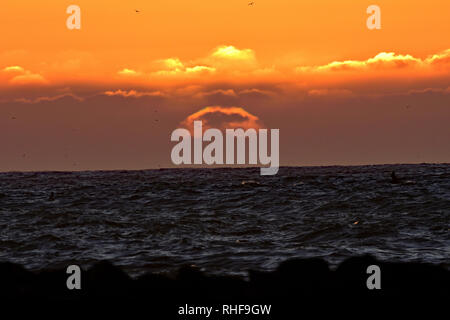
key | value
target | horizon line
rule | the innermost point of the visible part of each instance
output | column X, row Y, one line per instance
column 215, row 167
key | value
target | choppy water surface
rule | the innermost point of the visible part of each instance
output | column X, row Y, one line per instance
column 224, row 220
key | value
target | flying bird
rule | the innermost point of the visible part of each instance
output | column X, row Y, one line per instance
column 251, row 3
column 137, row 11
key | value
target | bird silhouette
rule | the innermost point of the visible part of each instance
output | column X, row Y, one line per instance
column 251, row 3
column 137, row 11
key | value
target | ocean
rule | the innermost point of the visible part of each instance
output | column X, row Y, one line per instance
column 224, row 220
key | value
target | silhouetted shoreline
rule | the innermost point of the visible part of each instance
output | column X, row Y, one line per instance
column 298, row 280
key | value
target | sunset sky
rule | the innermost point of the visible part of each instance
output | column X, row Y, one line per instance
column 109, row 95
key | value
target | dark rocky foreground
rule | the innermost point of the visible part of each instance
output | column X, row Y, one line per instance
column 296, row 285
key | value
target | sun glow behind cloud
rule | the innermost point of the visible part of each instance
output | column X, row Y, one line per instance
column 223, row 118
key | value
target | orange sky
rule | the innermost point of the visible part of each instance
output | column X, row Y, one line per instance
column 274, row 60
column 282, row 33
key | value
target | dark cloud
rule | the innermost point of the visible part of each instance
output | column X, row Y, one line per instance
column 97, row 131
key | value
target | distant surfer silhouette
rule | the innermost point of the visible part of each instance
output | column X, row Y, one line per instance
column 394, row 178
